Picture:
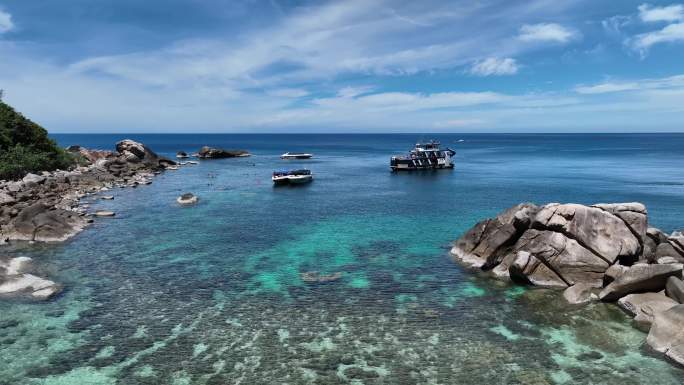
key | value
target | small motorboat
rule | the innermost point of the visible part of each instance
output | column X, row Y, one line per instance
column 292, row 177
column 296, row 155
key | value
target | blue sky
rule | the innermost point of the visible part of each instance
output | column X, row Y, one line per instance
column 345, row 66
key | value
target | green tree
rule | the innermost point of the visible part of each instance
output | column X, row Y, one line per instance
column 25, row 147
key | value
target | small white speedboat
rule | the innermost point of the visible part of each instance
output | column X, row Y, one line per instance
column 292, row 177
column 296, row 155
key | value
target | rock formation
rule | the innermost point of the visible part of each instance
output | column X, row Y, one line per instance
column 603, row 251
column 207, row 152
column 46, row 207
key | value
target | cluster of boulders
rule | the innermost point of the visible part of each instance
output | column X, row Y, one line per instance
column 48, row 207
column 601, row 252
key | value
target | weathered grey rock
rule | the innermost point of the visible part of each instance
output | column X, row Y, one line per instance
column 40, row 222
column 207, row 152
column 644, row 306
column 634, row 215
column 6, row 199
column 648, row 252
column 479, row 247
column 674, row 288
column 526, row 268
column 613, row 273
column 579, row 293
column 596, row 229
column 676, row 239
column 666, row 249
column 640, row 278
column 667, row 334
column 656, row 235
column 33, row 179
column 569, row 261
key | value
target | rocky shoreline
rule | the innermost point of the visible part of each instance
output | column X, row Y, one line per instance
column 602, row 252
column 48, row 207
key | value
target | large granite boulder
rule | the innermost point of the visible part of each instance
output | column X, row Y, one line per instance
column 640, row 278
column 674, row 288
column 595, row 228
column 480, row 246
column 207, row 152
column 644, row 307
column 41, row 222
column 135, row 152
column 567, row 243
column 667, row 333
column 564, row 256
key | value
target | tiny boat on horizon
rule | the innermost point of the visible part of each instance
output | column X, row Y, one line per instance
column 296, row 155
column 292, row 177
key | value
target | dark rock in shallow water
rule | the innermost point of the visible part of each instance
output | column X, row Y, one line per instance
column 8, row 323
column 316, row 277
column 480, row 246
column 643, row 307
column 640, row 278
column 667, row 333
column 40, row 222
column 674, row 288
column 218, row 153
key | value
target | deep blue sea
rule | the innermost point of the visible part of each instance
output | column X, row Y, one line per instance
column 212, row 294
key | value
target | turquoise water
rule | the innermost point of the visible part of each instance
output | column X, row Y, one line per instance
column 212, row 294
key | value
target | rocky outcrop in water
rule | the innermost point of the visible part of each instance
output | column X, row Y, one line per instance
column 47, row 207
column 207, row 152
column 600, row 252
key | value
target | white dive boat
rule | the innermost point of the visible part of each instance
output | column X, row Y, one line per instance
column 423, row 157
column 292, row 177
column 296, row 155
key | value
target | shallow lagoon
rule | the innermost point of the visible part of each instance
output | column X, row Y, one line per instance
column 212, row 294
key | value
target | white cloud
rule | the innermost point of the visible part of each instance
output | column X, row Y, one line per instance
column 668, row 83
column 6, row 23
column 495, row 66
column 613, row 25
column 669, row 34
column 670, row 13
column 288, row 92
column 547, row 32
column 459, row 123
column 351, row 92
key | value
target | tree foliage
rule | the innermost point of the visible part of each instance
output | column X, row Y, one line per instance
column 25, row 146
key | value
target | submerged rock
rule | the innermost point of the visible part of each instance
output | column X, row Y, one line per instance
column 316, row 277
column 16, row 279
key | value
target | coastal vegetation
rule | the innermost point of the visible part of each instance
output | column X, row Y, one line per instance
column 25, row 146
